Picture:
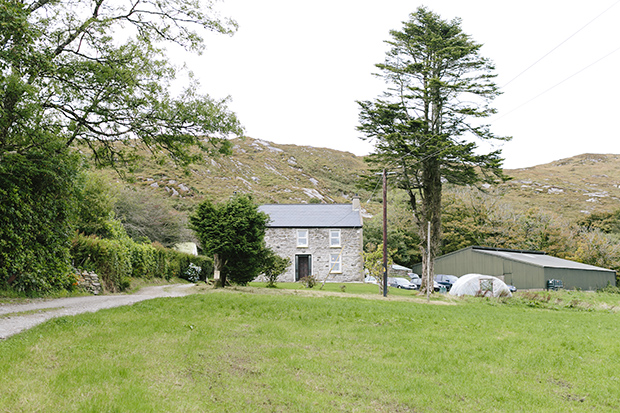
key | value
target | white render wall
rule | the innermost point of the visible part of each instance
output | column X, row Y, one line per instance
column 283, row 241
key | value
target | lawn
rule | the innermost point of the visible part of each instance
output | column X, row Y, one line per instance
column 299, row 350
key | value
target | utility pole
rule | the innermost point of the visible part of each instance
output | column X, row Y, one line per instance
column 385, row 269
column 428, row 263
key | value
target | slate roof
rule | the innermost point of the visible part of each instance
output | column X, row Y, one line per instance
column 312, row 216
column 539, row 259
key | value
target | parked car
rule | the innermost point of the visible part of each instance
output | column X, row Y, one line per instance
column 446, row 280
column 401, row 283
column 512, row 288
column 417, row 281
column 370, row 280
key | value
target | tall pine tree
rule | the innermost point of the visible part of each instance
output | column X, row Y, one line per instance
column 425, row 126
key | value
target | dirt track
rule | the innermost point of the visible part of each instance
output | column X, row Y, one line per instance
column 38, row 311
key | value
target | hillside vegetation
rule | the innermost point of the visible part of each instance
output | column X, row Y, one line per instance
column 274, row 173
column 271, row 173
column 572, row 187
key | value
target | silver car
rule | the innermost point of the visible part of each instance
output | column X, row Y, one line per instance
column 417, row 281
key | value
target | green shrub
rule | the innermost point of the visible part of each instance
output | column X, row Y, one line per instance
column 116, row 261
column 110, row 259
column 309, row 281
column 273, row 266
column 143, row 260
column 609, row 289
column 37, row 197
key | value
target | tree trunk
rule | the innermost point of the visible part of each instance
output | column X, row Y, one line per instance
column 218, row 278
column 430, row 211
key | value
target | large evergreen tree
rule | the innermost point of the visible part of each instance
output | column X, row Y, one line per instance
column 234, row 233
column 424, row 126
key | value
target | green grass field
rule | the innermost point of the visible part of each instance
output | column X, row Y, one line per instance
column 293, row 350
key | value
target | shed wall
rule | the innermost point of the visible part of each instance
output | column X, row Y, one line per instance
column 582, row 279
column 521, row 275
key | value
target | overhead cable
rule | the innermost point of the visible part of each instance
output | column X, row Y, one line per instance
column 556, row 47
column 557, row 84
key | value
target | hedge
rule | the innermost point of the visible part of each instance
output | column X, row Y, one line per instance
column 117, row 261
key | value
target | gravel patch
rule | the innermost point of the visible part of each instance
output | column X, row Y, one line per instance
column 39, row 311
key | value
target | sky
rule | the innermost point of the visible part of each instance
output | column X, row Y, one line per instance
column 295, row 69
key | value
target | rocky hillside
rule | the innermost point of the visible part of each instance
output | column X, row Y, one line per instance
column 271, row 173
column 275, row 173
column 571, row 187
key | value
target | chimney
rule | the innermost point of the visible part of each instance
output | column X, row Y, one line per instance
column 356, row 203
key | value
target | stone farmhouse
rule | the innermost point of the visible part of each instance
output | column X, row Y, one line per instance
column 323, row 240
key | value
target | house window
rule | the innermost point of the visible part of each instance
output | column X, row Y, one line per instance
column 302, row 237
column 334, row 238
column 335, row 265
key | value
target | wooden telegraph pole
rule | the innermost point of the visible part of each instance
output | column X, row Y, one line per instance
column 385, row 260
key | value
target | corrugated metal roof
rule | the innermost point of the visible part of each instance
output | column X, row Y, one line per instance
column 540, row 260
column 398, row 267
column 312, row 216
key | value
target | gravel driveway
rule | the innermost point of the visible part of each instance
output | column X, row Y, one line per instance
column 16, row 323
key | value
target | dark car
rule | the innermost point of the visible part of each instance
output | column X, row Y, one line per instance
column 446, row 280
column 512, row 288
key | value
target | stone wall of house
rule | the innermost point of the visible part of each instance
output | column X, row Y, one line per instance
column 283, row 241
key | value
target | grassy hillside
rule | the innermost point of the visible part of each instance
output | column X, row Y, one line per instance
column 571, row 187
column 271, row 173
column 274, row 173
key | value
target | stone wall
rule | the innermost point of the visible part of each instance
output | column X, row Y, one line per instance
column 89, row 281
column 283, row 241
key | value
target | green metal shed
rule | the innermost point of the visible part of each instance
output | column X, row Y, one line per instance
column 521, row 268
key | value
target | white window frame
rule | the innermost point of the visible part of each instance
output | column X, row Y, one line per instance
column 335, row 235
column 302, row 240
column 335, row 263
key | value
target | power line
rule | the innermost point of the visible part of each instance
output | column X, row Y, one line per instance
column 557, row 84
column 556, row 47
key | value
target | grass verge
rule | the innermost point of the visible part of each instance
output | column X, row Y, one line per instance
column 240, row 350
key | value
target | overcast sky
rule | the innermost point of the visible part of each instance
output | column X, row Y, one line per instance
column 295, row 69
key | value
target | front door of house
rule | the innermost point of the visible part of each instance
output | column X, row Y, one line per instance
column 303, row 266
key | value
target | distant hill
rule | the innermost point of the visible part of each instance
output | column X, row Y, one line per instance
column 275, row 173
column 272, row 173
column 572, row 187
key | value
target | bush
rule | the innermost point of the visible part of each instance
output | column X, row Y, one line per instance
column 116, row 261
column 193, row 273
column 110, row 259
column 309, row 281
column 273, row 266
column 37, row 195
column 609, row 289
column 143, row 260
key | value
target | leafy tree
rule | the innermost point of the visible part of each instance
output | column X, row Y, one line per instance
column 64, row 78
column 96, row 200
column 233, row 233
column 402, row 233
column 596, row 248
column 67, row 83
column 274, row 266
column 472, row 217
column 373, row 264
column 607, row 222
column 423, row 128
column 147, row 215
